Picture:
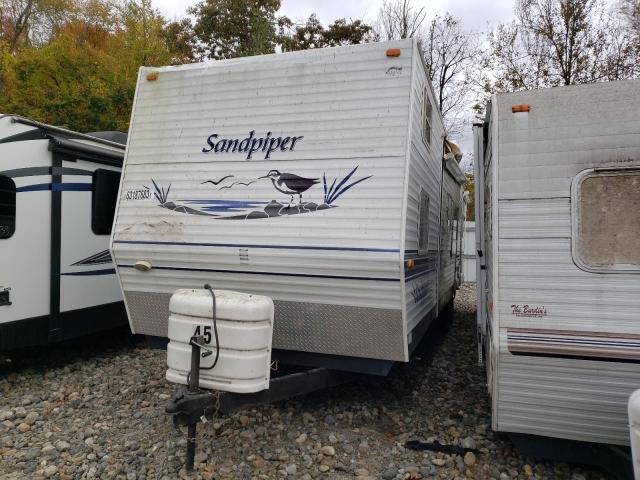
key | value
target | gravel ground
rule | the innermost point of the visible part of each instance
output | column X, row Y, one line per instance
column 94, row 409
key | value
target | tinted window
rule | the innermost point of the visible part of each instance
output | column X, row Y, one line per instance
column 103, row 200
column 7, row 207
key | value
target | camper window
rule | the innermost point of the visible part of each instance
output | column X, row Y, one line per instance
column 426, row 117
column 103, row 200
column 423, row 223
column 7, row 207
column 606, row 220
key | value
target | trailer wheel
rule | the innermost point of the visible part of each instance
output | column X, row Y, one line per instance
column 445, row 319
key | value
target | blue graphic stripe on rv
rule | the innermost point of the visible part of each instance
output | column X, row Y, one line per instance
column 283, row 247
column 106, row 271
column 277, row 274
column 56, row 187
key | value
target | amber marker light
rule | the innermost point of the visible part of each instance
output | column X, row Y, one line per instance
column 393, row 52
column 410, row 263
column 520, row 108
column 152, row 77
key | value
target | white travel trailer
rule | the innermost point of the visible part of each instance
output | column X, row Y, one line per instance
column 558, row 222
column 321, row 179
column 57, row 197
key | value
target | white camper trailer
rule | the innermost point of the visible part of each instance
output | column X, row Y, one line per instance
column 558, row 222
column 321, row 179
column 57, row 197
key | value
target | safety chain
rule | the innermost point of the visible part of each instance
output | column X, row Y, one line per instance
column 216, row 403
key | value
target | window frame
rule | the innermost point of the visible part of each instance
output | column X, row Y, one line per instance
column 427, row 117
column 576, row 183
column 15, row 208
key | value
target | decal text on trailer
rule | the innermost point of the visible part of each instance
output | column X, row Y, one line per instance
column 251, row 144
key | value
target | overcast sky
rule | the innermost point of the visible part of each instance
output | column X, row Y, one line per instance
column 475, row 15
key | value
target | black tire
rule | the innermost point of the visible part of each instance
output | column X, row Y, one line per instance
column 445, row 319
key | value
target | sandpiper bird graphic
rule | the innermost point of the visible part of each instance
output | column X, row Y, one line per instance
column 291, row 184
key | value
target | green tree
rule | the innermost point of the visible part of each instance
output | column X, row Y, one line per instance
column 84, row 76
column 235, row 28
column 25, row 23
column 180, row 40
column 313, row 35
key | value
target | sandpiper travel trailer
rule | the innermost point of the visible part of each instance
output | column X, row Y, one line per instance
column 558, row 199
column 57, row 197
column 321, row 179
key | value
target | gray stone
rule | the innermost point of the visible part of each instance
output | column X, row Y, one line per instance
column 390, row 473
column 62, row 445
column 328, row 450
column 6, row 415
column 468, row 442
column 31, row 418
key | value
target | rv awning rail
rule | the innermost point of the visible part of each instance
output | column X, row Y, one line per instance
column 88, row 152
column 64, row 131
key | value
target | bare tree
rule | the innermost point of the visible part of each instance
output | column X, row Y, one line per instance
column 629, row 29
column 449, row 52
column 399, row 19
column 557, row 42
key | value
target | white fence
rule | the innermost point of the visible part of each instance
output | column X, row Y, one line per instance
column 469, row 252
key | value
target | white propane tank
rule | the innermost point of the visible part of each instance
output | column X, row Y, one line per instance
column 245, row 327
column 634, row 428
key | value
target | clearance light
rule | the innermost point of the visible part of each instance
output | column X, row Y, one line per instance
column 410, row 264
column 152, row 77
column 520, row 108
column 393, row 52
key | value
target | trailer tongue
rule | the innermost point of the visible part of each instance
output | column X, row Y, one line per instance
column 221, row 340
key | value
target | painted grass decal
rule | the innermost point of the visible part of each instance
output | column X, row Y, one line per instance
column 334, row 192
column 160, row 194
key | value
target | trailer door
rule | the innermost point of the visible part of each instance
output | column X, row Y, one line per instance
column 86, row 295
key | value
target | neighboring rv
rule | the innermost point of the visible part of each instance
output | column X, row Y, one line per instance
column 558, row 224
column 58, row 192
column 321, row 179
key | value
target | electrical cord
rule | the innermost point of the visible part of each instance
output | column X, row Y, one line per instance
column 215, row 331
column 215, row 327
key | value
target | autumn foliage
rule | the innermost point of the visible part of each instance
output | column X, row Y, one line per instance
column 74, row 63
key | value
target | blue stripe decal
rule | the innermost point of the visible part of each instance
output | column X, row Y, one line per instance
column 72, row 187
column 278, row 274
column 34, row 188
column 56, row 187
column 284, row 247
column 106, row 271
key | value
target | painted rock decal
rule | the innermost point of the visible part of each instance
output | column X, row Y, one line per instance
column 286, row 183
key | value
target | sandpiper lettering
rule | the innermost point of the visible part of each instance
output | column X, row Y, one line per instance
column 251, row 144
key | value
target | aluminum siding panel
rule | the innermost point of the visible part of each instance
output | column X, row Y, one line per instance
column 425, row 171
column 568, row 130
column 351, row 113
